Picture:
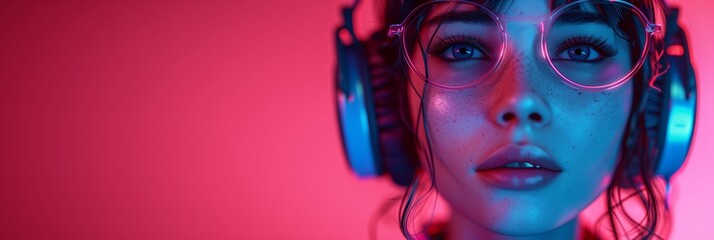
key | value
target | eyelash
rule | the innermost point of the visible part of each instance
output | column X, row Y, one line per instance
column 600, row 45
column 443, row 44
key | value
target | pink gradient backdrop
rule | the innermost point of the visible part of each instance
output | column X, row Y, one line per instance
column 209, row 120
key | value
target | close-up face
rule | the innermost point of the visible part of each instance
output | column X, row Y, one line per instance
column 518, row 148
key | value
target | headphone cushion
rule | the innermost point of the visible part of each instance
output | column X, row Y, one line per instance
column 396, row 139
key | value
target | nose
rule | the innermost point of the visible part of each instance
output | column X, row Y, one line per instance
column 522, row 108
column 519, row 96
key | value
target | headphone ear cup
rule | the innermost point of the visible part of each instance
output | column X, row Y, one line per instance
column 355, row 109
column 396, row 139
column 374, row 138
column 669, row 111
column 670, row 114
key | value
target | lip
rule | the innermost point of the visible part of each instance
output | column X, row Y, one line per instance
column 492, row 170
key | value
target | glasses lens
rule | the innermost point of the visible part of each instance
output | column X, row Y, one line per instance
column 596, row 44
column 452, row 44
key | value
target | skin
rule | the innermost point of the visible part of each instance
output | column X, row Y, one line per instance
column 579, row 130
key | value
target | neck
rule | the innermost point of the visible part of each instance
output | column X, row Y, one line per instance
column 460, row 228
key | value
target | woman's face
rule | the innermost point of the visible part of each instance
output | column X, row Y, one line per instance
column 521, row 153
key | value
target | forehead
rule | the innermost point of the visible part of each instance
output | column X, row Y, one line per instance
column 524, row 9
column 506, row 10
column 518, row 11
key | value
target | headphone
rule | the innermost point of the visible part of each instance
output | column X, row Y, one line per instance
column 376, row 141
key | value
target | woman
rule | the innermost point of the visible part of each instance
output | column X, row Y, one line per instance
column 521, row 112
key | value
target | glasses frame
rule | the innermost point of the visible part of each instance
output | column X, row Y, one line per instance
column 650, row 28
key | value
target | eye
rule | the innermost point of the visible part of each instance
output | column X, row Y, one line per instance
column 459, row 48
column 581, row 49
column 582, row 53
column 461, row 52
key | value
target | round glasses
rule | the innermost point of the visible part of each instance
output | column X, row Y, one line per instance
column 591, row 45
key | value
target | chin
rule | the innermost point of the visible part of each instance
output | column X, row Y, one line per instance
column 524, row 227
column 520, row 214
column 527, row 222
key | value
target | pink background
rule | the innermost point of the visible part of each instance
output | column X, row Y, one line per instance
column 210, row 120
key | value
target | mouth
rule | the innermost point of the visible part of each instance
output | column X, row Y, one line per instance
column 523, row 165
column 518, row 168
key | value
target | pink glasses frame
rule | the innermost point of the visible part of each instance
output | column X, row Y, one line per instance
column 650, row 28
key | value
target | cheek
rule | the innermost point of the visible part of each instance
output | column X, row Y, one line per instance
column 593, row 136
column 456, row 123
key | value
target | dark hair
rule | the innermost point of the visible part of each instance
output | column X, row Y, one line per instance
column 633, row 177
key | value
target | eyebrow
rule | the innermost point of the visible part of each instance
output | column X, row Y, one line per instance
column 579, row 17
column 480, row 17
column 477, row 17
